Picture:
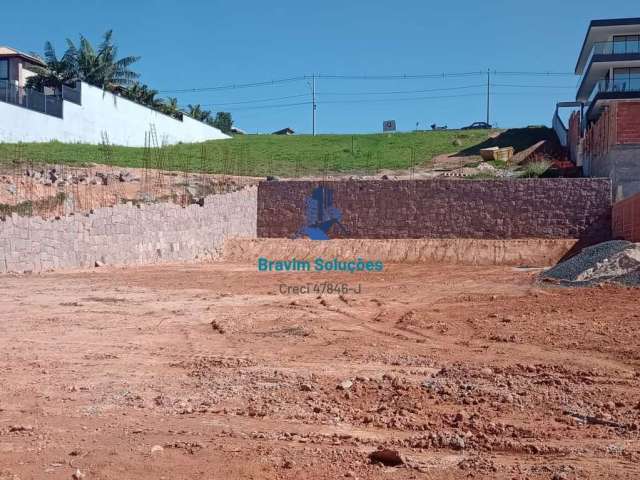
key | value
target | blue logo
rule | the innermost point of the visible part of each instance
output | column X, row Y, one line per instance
column 320, row 215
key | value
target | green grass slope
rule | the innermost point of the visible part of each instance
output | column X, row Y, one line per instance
column 260, row 155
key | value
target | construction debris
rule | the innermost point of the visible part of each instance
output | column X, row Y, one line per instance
column 613, row 261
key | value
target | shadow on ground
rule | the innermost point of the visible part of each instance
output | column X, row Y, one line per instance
column 519, row 138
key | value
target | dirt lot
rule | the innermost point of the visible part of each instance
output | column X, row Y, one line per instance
column 467, row 372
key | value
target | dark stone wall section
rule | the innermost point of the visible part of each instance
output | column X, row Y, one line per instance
column 488, row 209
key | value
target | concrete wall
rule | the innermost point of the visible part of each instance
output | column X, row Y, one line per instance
column 127, row 235
column 622, row 165
column 487, row 209
column 124, row 121
column 626, row 219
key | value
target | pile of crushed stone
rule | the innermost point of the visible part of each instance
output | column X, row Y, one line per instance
column 614, row 261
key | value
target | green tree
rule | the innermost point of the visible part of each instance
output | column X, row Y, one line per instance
column 223, row 122
column 196, row 112
column 58, row 71
column 101, row 68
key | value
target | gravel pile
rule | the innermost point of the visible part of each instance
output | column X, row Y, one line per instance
column 614, row 261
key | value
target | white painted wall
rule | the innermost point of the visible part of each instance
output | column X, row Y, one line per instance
column 124, row 121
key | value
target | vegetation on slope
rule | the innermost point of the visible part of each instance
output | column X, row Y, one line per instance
column 262, row 155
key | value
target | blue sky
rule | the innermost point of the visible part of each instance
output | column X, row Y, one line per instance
column 200, row 44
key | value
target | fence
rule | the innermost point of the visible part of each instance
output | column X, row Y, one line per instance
column 32, row 99
column 72, row 94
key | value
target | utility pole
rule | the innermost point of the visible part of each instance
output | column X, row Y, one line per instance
column 313, row 101
column 488, row 93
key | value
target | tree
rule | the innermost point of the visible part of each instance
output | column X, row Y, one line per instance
column 196, row 112
column 223, row 122
column 170, row 107
column 101, row 68
column 58, row 71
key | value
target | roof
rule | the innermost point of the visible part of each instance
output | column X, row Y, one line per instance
column 598, row 31
column 284, row 131
column 12, row 52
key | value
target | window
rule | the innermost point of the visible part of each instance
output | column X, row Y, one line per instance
column 4, row 73
column 634, row 79
column 626, row 44
column 626, row 80
column 620, row 79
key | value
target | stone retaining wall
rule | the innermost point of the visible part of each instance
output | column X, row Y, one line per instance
column 127, row 234
column 488, row 209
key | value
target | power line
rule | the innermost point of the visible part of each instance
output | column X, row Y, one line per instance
column 382, row 100
column 404, row 76
column 235, row 86
column 403, row 91
column 255, row 100
column 531, row 86
column 536, row 74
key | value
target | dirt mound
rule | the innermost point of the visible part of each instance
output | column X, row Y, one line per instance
column 458, row 251
column 616, row 261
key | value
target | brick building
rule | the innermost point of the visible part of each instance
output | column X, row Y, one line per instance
column 603, row 135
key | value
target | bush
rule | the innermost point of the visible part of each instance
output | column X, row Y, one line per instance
column 535, row 169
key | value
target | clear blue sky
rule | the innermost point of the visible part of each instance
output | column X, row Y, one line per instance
column 195, row 44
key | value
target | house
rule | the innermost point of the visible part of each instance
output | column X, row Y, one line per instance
column 603, row 136
column 284, row 131
column 82, row 113
column 15, row 68
column 237, row 131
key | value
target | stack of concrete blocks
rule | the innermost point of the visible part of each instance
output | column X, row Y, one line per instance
column 127, row 234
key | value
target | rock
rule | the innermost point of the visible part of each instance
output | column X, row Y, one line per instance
column 486, row 371
column 457, row 442
column 346, row 385
column 11, row 189
column 288, row 464
column 388, row 457
column 99, row 264
column 157, row 450
column 77, row 475
column 21, row 428
column 305, row 387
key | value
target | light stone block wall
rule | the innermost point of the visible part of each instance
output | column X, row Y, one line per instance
column 127, row 234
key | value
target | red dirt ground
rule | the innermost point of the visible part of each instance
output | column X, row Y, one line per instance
column 469, row 372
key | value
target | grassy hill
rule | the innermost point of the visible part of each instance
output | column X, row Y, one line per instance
column 261, row 155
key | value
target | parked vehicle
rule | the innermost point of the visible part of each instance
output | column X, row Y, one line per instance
column 477, row 126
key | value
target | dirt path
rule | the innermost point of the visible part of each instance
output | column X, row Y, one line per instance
column 468, row 372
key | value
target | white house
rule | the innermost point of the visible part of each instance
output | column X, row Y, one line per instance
column 84, row 114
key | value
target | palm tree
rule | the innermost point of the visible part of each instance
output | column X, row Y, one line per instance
column 101, row 67
column 170, row 107
column 195, row 111
column 58, row 71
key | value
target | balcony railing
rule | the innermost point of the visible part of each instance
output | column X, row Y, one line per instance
column 31, row 99
column 623, row 47
column 626, row 47
column 631, row 85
